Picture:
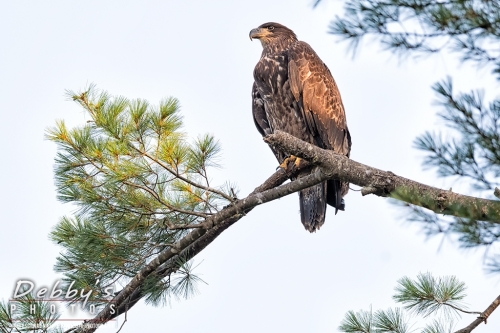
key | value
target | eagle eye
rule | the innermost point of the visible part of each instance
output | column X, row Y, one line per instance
column 270, row 27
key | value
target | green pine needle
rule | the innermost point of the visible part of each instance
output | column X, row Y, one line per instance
column 426, row 294
column 357, row 322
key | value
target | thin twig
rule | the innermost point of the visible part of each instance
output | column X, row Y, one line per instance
column 157, row 197
column 172, row 226
column 458, row 309
column 176, row 174
column 124, row 321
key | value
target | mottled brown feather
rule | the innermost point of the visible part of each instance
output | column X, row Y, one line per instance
column 311, row 79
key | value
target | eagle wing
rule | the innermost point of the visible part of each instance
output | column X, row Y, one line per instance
column 314, row 88
column 318, row 96
column 259, row 113
column 261, row 121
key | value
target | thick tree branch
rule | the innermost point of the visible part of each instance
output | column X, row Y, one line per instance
column 386, row 183
column 194, row 242
column 279, row 177
column 170, row 266
column 482, row 318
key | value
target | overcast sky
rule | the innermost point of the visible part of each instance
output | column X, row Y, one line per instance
column 265, row 273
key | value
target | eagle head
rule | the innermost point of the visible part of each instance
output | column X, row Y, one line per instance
column 273, row 33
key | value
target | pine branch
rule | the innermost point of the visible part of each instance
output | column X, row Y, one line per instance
column 170, row 266
column 194, row 242
column 386, row 183
column 426, row 294
column 482, row 318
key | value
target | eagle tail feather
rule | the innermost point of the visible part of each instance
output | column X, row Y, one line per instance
column 313, row 206
column 335, row 193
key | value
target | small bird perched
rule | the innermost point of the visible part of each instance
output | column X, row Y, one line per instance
column 295, row 92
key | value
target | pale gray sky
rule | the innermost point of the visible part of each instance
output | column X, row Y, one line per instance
column 266, row 273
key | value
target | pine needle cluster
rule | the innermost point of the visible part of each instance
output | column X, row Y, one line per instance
column 436, row 299
column 28, row 315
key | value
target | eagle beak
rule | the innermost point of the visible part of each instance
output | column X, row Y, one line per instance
column 257, row 33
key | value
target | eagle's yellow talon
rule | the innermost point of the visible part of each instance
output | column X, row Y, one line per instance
column 286, row 161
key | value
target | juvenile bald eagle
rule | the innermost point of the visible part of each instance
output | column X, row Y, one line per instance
column 295, row 92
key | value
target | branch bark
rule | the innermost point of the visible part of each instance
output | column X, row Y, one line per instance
column 386, row 183
column 482, row 318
